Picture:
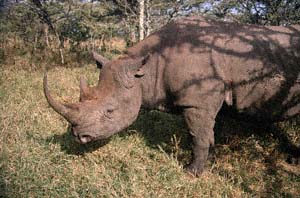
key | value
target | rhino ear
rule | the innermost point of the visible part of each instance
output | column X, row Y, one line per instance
column 140, row 70
column 134, row 70
column 100, row 60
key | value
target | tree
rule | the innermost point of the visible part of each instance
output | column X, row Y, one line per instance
column 59, row 29
column 264, row 12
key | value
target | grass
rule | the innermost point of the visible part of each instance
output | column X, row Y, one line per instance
column 38, row 157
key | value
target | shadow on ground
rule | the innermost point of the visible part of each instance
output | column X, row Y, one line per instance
column 71, row 147
column 2, row 187
column 260, row 141
column 168, row 132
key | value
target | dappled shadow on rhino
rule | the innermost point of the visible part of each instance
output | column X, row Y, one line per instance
column 195, row 64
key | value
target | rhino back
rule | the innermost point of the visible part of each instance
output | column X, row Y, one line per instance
column 261, row 62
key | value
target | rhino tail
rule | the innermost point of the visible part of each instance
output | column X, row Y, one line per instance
column 228, row 93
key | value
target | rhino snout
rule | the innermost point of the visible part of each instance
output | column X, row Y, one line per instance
column 80, row 138
column 83, row 139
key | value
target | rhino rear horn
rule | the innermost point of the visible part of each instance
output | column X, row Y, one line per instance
column 85, row 90
column 100, row 60
column 68, row 111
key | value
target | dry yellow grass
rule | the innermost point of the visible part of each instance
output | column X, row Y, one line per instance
column 38, row 157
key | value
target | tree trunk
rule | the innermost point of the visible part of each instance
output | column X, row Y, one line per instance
column 62, row 56
column 141, row 19
column 35, row 42
column 148, row 19
column 47, row 36
column 60, row 46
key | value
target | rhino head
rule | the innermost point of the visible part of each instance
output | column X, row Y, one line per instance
column 109, row 107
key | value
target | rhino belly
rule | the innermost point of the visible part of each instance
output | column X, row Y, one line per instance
column 262, row 98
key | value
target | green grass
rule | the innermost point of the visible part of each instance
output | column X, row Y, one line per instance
column 38, row 157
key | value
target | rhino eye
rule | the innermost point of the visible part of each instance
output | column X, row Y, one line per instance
column 110, row 110
column 109, row 113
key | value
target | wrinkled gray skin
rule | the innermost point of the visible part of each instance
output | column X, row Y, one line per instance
column 194, row 65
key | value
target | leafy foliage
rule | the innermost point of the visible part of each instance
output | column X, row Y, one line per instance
column 58, row 31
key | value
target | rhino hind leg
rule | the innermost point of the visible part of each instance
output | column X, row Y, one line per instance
column 201, row 128
column 201, row 106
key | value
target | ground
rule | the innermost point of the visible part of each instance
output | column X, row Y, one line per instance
column 39, row 158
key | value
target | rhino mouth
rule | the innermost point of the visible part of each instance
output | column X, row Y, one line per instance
column 83, row 139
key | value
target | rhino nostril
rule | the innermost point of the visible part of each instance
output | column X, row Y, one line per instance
column 84, row 138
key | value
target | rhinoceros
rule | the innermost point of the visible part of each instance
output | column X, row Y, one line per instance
column 193, row 65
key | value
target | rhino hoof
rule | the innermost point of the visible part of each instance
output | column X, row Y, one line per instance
column 194, row 170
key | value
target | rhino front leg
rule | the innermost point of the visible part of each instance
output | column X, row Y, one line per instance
column 201, row 124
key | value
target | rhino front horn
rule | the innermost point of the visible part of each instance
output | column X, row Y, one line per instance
column 66, row 110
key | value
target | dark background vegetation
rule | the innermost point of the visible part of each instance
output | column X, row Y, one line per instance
column 37, row 33
column 38, row 156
